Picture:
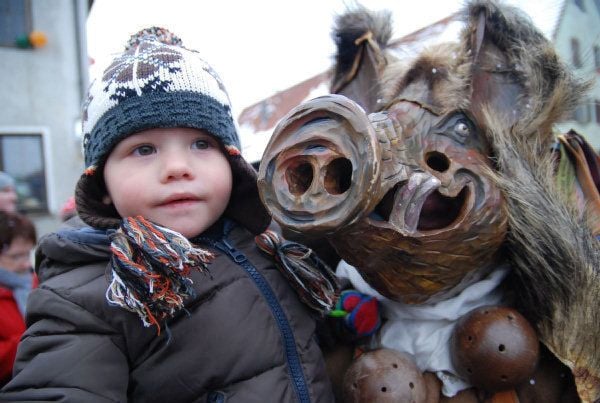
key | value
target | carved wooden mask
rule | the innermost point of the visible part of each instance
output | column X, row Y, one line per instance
column 401, row 194
column 404, row 193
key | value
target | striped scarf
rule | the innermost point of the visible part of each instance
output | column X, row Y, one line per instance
column 150, row 268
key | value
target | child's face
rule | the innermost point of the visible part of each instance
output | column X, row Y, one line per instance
column 176, row 177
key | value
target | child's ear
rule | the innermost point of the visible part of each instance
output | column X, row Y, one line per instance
column 106, row 200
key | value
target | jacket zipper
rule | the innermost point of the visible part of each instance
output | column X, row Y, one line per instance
column 292, row 356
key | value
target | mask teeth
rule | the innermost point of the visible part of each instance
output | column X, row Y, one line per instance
column 409, row 200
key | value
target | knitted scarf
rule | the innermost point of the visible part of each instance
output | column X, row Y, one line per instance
column 19, row 284
column 150, row 268
column 314, row 282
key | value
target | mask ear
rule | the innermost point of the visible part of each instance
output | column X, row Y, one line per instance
column 360, row 37
column 515, row 72
column 493, row 83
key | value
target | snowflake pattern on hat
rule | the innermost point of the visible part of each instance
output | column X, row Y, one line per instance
column 142, row 64
column 153, row 84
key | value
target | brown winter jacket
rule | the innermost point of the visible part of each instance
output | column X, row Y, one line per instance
column 244, row 338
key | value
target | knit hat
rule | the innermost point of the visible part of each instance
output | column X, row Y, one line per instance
column 156, row 82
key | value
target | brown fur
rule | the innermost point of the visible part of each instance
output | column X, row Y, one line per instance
column 555, row 257
column 348, row 28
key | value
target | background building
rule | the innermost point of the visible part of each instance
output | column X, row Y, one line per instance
column 43, row 75
column 577, row 39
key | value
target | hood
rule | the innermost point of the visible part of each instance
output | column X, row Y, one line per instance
column 73, row 245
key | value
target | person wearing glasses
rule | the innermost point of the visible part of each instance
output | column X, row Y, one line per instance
column 17, row 239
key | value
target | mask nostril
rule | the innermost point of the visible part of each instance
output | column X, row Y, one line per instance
column 299, row 178
column 338, row 176
column 437, row 161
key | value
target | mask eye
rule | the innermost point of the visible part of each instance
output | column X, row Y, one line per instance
column 462, row 128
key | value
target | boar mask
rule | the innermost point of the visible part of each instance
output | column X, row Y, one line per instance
column 404, row 193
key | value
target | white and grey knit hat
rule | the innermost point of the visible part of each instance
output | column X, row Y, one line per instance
column 154, row 83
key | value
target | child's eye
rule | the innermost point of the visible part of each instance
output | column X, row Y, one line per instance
column 201, row 144
column 144, row 150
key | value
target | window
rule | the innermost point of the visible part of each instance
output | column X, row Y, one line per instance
column 582, row 113
column 575, row 52
column 22, row 156
column 15, row 21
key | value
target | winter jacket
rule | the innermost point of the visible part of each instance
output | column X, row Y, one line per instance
column 244, row 337
column 12, row 327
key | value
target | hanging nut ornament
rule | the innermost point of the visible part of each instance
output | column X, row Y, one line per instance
column 384, row 376
column 494, row 348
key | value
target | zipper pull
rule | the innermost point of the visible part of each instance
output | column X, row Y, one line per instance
column 238, row 257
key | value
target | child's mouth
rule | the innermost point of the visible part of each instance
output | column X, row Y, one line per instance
column 177, row 201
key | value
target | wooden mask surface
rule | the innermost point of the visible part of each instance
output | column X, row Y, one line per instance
column 405, row 195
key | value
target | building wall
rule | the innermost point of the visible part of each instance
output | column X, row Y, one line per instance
column 583, row 25
column 44, row 88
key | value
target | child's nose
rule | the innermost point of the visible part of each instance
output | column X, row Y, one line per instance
column 177, row 167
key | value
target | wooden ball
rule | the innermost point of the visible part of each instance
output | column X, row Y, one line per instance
column 494, row 348
column 384, row 376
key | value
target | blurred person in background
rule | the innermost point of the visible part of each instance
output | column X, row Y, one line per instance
column 17, row 239
column 68, row 210
column 8, row 195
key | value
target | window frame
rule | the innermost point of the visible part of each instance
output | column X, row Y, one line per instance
column 584, row 110
column 596, row 52
column 576, row 53
column 27, row 23
column 44, row 133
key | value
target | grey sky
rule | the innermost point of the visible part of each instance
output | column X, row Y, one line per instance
column 260, row 47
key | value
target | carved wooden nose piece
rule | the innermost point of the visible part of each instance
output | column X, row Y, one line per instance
column 322, row 167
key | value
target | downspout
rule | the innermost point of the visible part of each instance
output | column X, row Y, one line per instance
column 80, row 15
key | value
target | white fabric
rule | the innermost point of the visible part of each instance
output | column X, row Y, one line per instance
column 424, row 331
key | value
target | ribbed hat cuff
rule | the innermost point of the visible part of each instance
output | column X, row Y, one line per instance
column 160, row 109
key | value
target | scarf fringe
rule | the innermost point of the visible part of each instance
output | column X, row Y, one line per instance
column 312, row 279
column 150, row 267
